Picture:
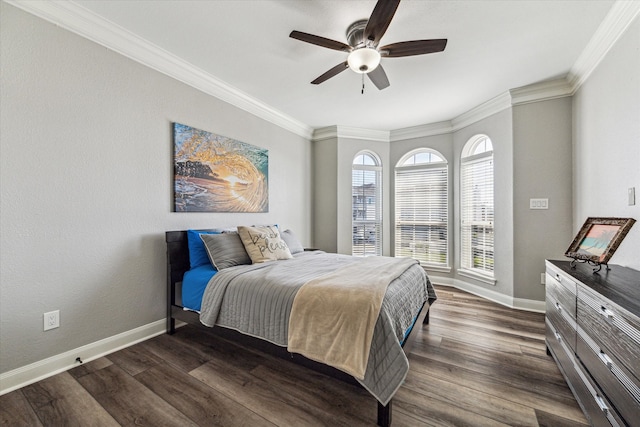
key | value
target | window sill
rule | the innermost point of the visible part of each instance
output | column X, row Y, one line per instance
column 477, row 276
column 438, row 268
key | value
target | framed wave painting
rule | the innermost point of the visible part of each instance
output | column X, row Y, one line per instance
column 213, row 173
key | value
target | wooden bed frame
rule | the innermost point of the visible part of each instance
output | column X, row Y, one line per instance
column 178, row 264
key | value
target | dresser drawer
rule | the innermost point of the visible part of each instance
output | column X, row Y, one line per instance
column 613, row 329
column 595, row 407
column 562, row 321
column 562, row 288
column 611, row 377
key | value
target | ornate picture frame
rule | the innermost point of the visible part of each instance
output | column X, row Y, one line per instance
column 598, row 239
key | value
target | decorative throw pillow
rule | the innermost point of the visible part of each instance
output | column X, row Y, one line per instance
column 225, row 250
column 292, row 242
column 197, row 252
column 263, row 243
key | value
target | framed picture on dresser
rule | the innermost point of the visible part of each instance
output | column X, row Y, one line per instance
column 598, row 239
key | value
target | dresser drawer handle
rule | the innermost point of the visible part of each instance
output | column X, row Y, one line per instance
column 602, row 404
column 558, row 277
column 558, row 306
column 606, row 359
column 558, row 336
column 606, row 312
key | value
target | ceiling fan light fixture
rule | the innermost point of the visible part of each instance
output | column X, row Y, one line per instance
column 363, row 60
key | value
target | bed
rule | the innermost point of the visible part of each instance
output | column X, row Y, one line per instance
column 265, row 294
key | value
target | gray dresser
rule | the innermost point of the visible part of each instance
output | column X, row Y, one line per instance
column 593, row 333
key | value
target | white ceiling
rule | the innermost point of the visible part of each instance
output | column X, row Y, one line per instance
column 493, row 46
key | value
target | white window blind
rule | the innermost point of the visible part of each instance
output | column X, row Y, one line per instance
column 477, row 221
column 421, row 212
column 366, row 181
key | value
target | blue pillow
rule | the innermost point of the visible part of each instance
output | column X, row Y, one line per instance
column 194, row 283
column 197, row 252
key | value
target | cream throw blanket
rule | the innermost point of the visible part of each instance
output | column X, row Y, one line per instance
column 333, row 317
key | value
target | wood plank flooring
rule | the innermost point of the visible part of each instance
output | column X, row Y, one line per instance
column 476, row 364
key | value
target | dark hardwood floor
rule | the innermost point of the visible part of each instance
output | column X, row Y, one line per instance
column 476, row 364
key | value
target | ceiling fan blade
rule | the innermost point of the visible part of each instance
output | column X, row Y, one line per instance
column 414, row 47
column 380, row 20
column 320, row 41
column 332, row 72
column 379, row 77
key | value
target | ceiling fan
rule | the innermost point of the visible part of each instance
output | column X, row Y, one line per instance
column 364, row 53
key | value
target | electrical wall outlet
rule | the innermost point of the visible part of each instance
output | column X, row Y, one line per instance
column 52, row 320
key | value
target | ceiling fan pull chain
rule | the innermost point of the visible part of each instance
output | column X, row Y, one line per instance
column 362, row 91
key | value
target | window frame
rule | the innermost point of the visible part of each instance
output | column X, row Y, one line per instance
column 422, row 221
column 470, row 157
column 365, row 200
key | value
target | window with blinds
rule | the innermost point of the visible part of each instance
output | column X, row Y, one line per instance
column 421, row 208
column 476, row 210
column 366, row 191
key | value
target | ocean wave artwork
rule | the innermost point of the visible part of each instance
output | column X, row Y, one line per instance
column 597, row 240
column 214, row 173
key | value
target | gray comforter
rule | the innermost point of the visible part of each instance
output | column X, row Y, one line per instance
column 256, row 300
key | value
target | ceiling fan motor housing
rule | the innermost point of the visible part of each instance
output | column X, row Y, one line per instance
column 355, row 33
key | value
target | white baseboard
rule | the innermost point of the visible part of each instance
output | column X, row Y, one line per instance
column 511, row 302
column 506, row 300
column 37, row 371
column 530, row 305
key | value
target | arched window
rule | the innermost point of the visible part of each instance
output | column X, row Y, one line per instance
column 421, row 207
column 476, row 207
column 366, row 190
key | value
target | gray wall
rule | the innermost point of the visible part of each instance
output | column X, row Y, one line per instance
column 542, row 169
column 606, row 139
column 86, row 172
column 325, row 194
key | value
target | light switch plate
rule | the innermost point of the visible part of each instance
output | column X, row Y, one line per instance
column 538, row 203
column 632, row 196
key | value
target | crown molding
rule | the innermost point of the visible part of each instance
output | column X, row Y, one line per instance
column 322, row 134
column 536, row 92
column 330, row 132
column 541, row 91
column 421, row 131
column 89, row 25
column 482, row 111
column 613, row 26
